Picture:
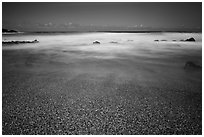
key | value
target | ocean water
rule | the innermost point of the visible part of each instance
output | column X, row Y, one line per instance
column 126, row 42
column 132, row 56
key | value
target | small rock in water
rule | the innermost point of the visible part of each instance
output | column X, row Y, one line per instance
column 129, row 40
column 191, row 65
column 115, row 42
column 96, row 42
column 190, row 39
column 156, row 40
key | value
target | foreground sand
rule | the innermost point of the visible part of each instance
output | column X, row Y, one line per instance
column 132, row 87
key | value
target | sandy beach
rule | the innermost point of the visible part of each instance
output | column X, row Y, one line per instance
column 128, row 84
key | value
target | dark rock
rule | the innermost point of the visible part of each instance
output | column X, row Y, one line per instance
column 9, row 31
column 163, row 40
column 174, row 40
column 190, row 39
column 156, row 40
column 129, row 40
column 17, row 42
column 96, row 42
column 191, row 65
column 115, row 42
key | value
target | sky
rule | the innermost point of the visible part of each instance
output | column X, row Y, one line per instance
column 89, row 16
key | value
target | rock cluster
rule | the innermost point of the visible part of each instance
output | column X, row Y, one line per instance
column 190, row 39
column 19, row 42
column 10, row 31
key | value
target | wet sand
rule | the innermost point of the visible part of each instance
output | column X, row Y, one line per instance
column 129, row 87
